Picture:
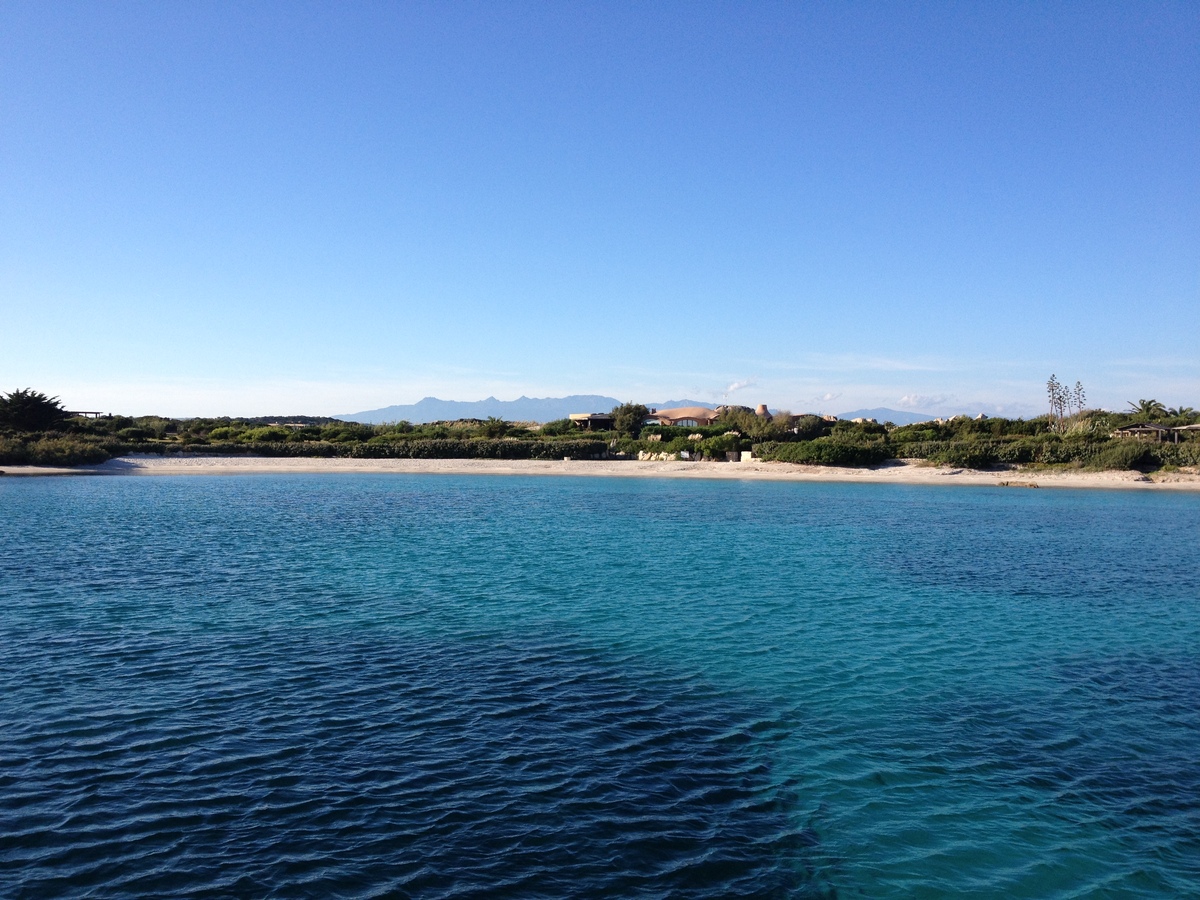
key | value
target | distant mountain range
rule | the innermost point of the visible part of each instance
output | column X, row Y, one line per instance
column 547, row 409
column 523, row 409
column 883, row 414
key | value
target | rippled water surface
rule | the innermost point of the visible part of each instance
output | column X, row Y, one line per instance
column 434, row 686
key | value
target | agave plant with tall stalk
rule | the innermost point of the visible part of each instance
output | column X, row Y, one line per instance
column 1065, row 402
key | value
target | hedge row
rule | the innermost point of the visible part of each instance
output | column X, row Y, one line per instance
column 824, row 452
column 70, row 451
column 495, row 448
column 56, row 451
column 975, row 454
column 1113, row 454
column 426, row 448
column 713, row 447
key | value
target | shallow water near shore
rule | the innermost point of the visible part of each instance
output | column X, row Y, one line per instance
column 442, row 686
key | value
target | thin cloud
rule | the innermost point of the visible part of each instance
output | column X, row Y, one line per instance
column 922, row 401
column 736, row 386
column 827, row 397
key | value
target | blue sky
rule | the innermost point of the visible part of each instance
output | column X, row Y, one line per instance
column 320, row 208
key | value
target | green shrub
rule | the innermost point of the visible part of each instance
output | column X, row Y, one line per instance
column 494, row 427
column 55, row 451
column 966, row 455
column 1014, row 452
column 671, row 432
column 809, row 428
column 718, row 446
column 824, row 452
column 347, row 431
column 558, row 428
column 115, row 423
column 918, row 449
column 628, row 418
column 419, row 448
column 1176, row 454
column 307, row 433
column 157, row 426
column 1120, row 455
column 856, row 432
column 77, row 450
column 391, row 437
column 65, row 452
column 267, row 433
column 906, row 434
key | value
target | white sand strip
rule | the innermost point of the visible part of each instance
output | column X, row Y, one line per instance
column 899, row 472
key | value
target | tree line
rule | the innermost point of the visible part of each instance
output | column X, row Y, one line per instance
column 36, row 429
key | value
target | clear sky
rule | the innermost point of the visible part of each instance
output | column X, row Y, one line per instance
column 254, row 208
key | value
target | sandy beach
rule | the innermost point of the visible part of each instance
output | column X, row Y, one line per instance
column 898, row 472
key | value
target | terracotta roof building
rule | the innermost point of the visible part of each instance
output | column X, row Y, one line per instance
column 684, row 415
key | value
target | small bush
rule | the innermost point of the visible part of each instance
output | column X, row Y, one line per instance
column 55, row 451
column 1121, row 455
column 1015, row 452
column 559, row 428
column 717, row 447
column 671, row 432
column 494, row 427
column 1177, row 454
column 809, row 428
column 267, row 433
column 919, row 449
column 347, row 431
column 966, row 455
column 391, row 437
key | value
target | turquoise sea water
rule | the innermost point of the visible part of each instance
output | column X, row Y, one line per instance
column 434, row 686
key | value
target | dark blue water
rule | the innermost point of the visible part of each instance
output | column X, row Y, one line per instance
column 428, row 686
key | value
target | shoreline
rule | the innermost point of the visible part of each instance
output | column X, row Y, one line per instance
column 899, row 472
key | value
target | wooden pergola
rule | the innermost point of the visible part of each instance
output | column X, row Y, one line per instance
column 1143, row 430
column 1186, row 429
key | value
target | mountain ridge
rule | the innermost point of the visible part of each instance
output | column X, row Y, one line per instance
column 523, row 409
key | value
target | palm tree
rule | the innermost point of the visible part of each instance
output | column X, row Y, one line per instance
column 1182, row 411
column 1151, row 409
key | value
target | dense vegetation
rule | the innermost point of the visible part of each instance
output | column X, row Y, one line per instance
column 1084, row 439
column 34, row 429
column 76, row 440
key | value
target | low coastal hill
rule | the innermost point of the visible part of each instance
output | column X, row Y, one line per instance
column 523, row 409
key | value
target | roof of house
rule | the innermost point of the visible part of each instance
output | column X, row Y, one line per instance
column 1143, row 426
column 687, row 412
